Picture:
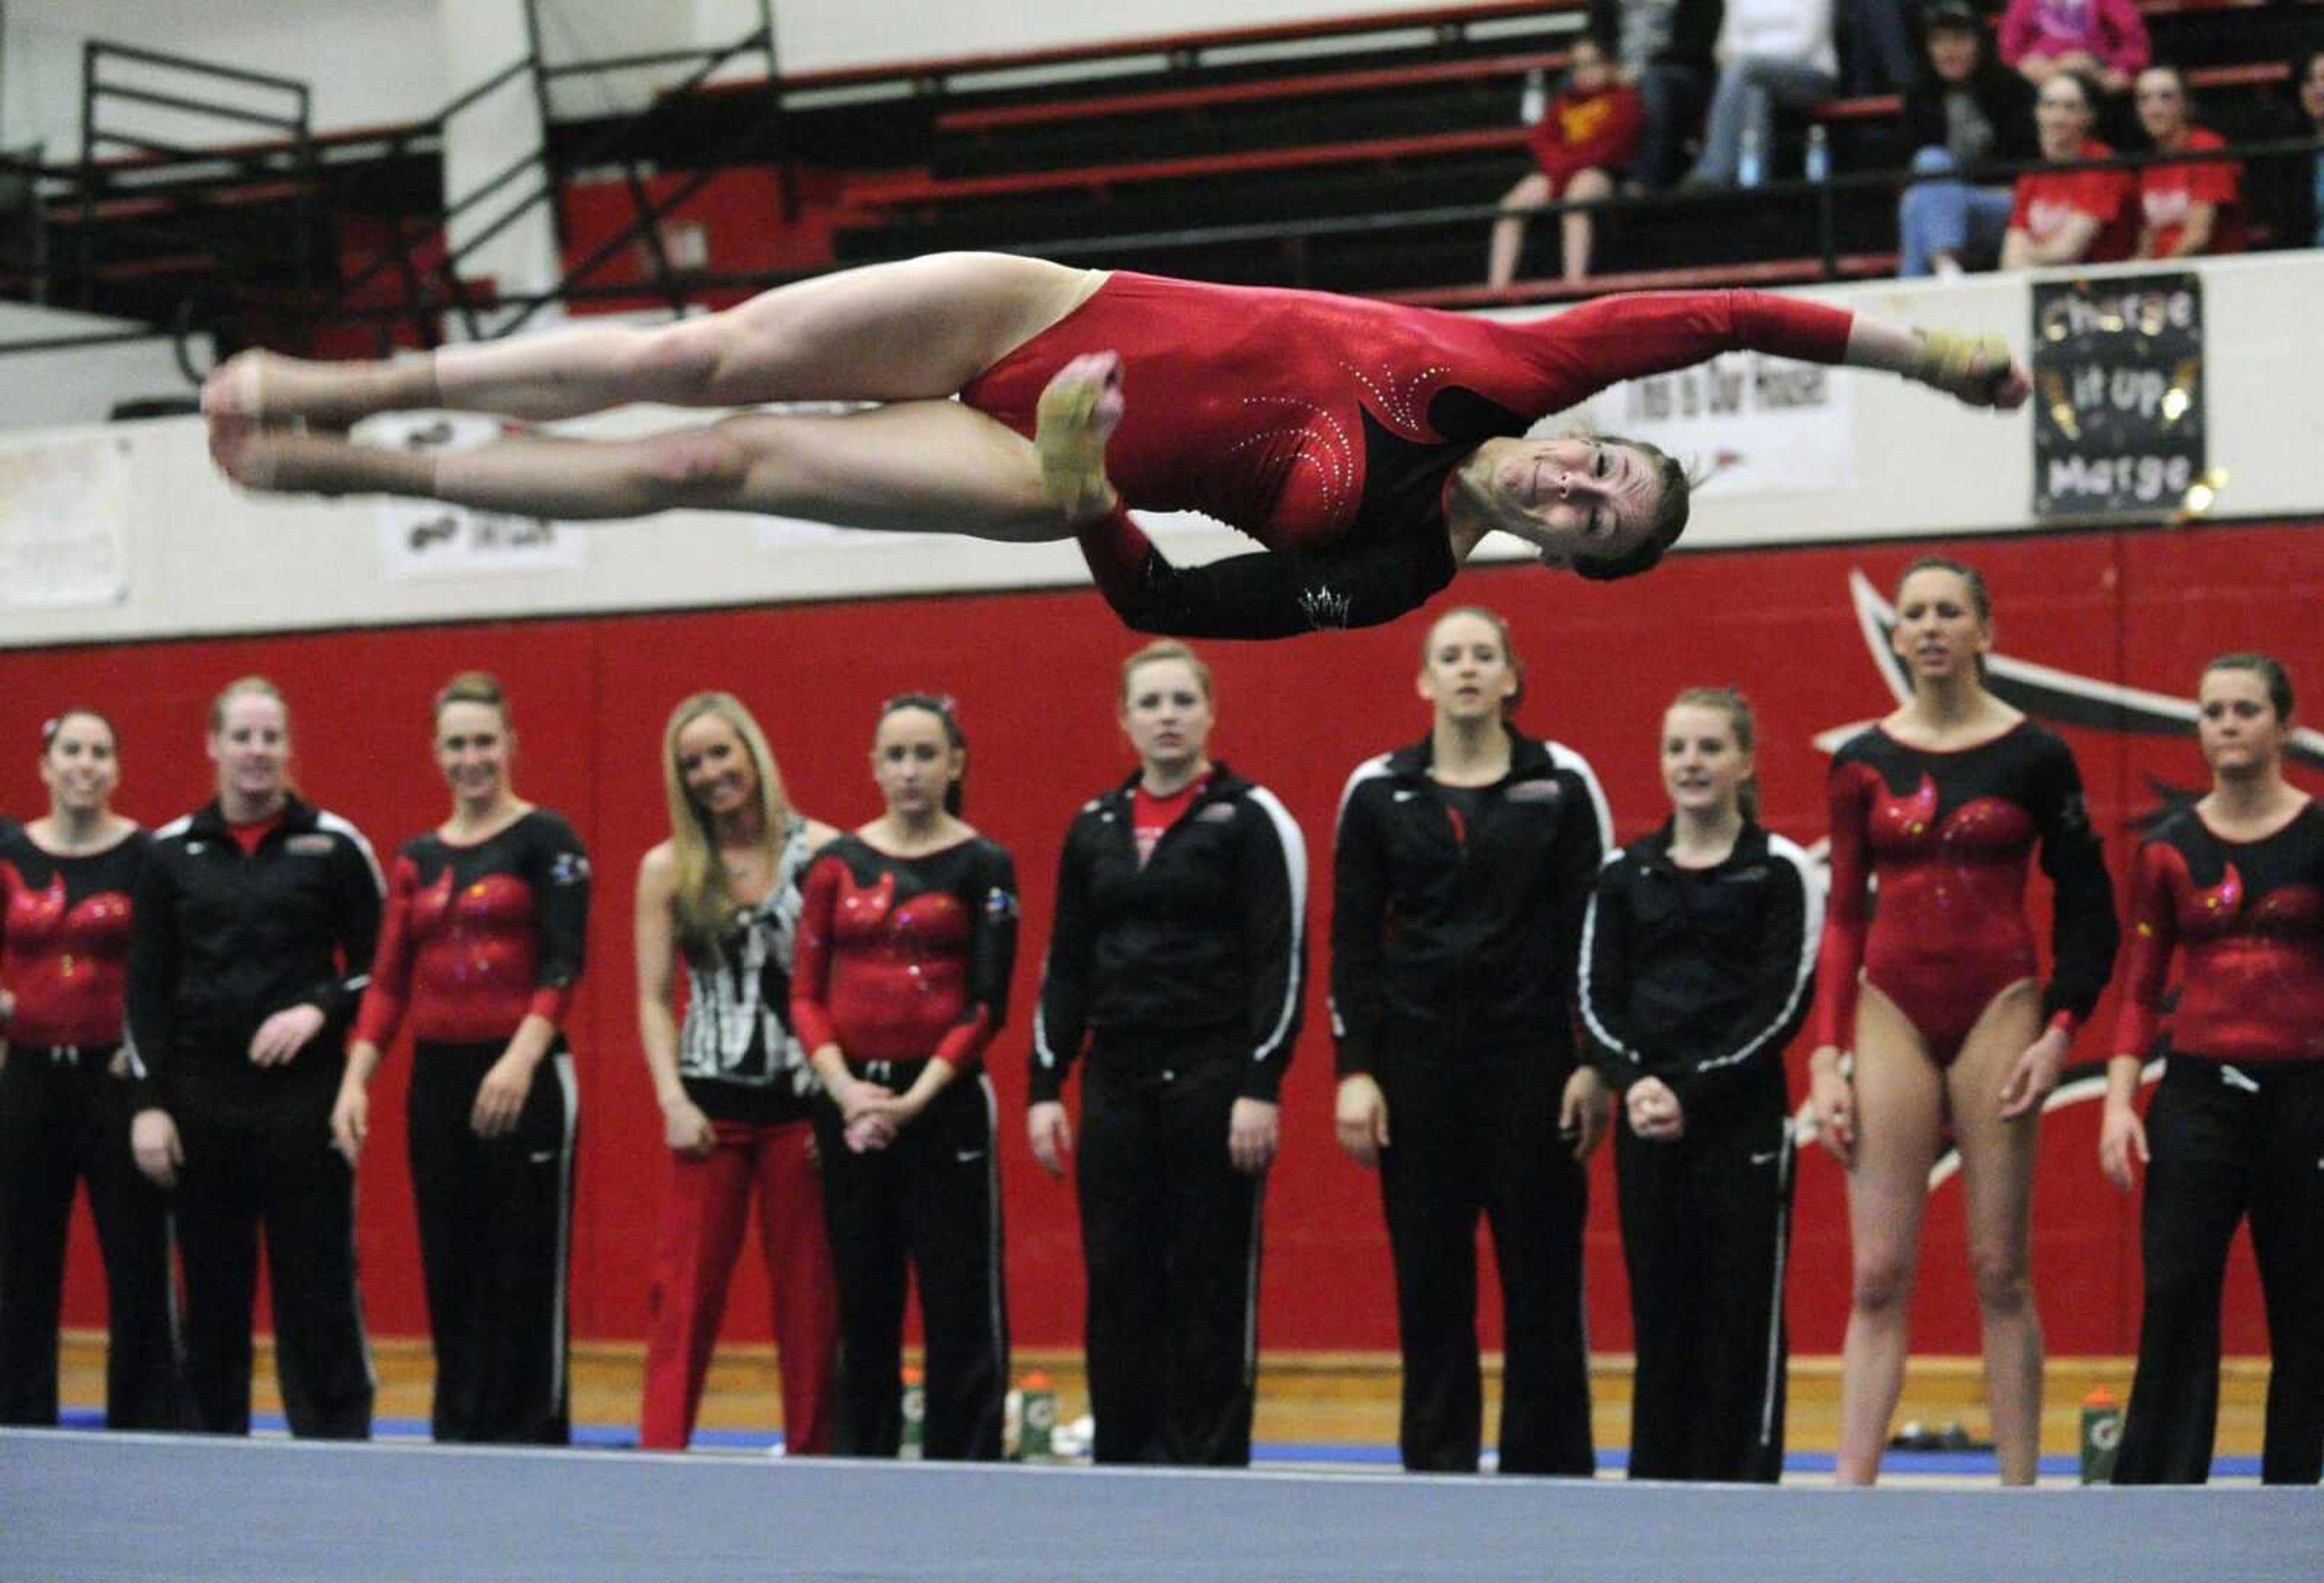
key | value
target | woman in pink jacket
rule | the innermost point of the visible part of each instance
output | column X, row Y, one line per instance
column 2104, row 38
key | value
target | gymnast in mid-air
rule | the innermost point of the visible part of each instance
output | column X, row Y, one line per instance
column 1367, row 447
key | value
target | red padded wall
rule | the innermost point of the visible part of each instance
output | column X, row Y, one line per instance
column 1034, row 675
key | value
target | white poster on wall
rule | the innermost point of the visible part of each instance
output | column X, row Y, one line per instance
column 64, row 522
column 1752, row 423
column 427, row 538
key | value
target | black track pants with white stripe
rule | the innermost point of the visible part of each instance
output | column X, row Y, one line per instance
column 2227, row 1142
column 1170, row 1230
column 926, row 1208
column 1476, row 1134
column 1705, row 1220
column 495, row 1227
column 271, row 1167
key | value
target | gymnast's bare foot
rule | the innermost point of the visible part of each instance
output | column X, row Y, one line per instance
column 1077, row 415
column 277, row 459
column 259, row 386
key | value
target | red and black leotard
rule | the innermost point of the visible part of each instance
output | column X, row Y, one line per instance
column 64, row 940
column 905, row 959
column 478, row 937
column 1948, row 834
column 2248, row 918
column 1327, row 428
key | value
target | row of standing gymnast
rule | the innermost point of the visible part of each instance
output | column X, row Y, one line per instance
column 1710, row 1334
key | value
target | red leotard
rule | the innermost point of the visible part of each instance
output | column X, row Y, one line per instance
column 905, row 959
column 64, row 940
column 1304, row 419
column 2248, row 919
column 477, row 937
column 1948, row 836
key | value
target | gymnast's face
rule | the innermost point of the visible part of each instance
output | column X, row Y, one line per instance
column 1467, row 673
column 473, row 749
column 79, row 768
column 252, row 749
column 1576, row 498
column 1166, row 715
column 1704, row 766
column 2312, row 88
column 1939, row 632
column 2240, row 732
column 715, row 764
column 914, row 762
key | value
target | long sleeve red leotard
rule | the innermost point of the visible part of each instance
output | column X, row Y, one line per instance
column 64, row 939
column 1327, row 428
column 478, row 937
column 905, row 959
column 2247, row 918
column 1950, row 836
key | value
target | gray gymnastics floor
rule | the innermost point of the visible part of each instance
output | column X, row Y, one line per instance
column 77, row 1506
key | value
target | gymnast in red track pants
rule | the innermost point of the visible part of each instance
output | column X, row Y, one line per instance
column 487, row 918
column 722, row 896
column 2234, row 888
column 66, row 883
column 905, row 944
column 1366, row 447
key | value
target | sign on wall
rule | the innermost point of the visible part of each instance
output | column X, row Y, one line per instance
column 64, row 523
column 2118, row 403
column 427, row 538
column 1751, row 422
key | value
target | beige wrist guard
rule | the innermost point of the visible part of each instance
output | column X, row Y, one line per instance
column 1071, row 453
column 1967, row 366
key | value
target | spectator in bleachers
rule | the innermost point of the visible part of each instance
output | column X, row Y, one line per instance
column 1662, row 47
column 1962, row 110
column 2070, row 216
column 1770, row 53
column 1876, row 36
column 2104, row 38
column 2183, row 210
column 2303, row 208
column 1583, row 143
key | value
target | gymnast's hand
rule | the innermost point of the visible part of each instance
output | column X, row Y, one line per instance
column 1359, row 1116
column 1833, row 1099
column 2122, row 1139
column 153, row 1144
column 1252, row 1135
column 351, row 1119
column 1077, row 415
column 687, row 1130
column 2035, row 1073
column 280, row 1037
column 1976, row 370
column 1051, row 1135
column 1654, row 1111
column 1582, row 1115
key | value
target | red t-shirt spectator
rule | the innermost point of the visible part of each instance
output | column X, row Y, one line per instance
column 2043, row 201
column 1582, row 131
column 2166, row 192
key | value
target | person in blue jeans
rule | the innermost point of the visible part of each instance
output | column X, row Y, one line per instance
column 1771, row 53
column 1963, row 111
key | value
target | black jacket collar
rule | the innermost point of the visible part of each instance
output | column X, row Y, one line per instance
column 1527, row 758
column 298, row 816
column 1222, row 782
column 1652, row 851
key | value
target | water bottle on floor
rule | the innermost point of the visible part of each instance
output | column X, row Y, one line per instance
column 1751, row 158
column 2101, row 1436
column 1037, row 1420
column 916, row 1415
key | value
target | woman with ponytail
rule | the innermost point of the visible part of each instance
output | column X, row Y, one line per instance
column 905, row 940
column 1696, row 958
